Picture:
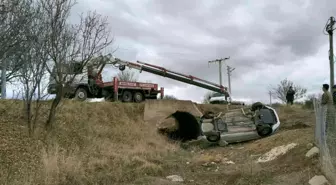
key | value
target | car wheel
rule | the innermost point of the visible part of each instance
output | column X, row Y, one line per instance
column 213, row 137
column 264, row 130
column 127, row 96
column 81, row 94
column 138, row 97
column 256, row 106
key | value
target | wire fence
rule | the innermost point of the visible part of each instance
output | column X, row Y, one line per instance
column 325, row 138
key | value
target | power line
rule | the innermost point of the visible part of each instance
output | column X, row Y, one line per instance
column 219, row 61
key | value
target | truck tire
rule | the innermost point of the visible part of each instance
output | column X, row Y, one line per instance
column 127, row 96
column 81, row 94
column 138, row 97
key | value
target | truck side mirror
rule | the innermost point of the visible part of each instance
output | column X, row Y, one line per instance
column 122, row 67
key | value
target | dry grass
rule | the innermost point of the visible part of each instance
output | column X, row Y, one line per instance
column 292, row 117
column 93, row 143
column 109, row 143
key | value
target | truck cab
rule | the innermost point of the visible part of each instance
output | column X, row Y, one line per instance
column 220, row 98
column 75, row 76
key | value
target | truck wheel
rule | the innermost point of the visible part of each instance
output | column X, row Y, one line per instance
column 81, row 94
column 138, row 97
column 127, row 96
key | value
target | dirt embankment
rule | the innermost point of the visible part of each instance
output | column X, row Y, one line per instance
column 110, row 143
column 156, row 110
column 93, row 143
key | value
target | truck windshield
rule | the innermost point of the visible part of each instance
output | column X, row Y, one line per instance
column 72, row 68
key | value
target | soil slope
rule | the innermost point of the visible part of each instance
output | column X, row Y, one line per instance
column 110, row 143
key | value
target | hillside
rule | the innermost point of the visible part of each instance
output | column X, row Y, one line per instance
column 110, row 143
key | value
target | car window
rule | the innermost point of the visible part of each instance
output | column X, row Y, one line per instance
column 217, row 95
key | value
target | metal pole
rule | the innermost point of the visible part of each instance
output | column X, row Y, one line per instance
column 270, row 97
column 220, row 72
column 229, row 78
column 330, row 29
column 220, row 67
column 3, row 78
column 229, row 71
column 4, row 64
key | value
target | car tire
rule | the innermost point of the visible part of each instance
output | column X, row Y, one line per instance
column 127, row 96
column 81, row 94
column 264, row 130
column 213, row 137
column 256, row 106
column 138, row 97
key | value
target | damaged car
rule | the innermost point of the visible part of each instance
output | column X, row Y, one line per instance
column 233, row 126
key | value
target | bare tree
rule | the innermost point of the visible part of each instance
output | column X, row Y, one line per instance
column 127, row 75
column 169, row 97
column 279, row 92
column 69, row 43
column 309, row 101
column 33, row 57
column 14, row 16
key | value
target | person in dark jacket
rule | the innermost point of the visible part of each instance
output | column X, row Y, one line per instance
column 290, row 95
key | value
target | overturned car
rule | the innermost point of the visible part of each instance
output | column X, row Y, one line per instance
column 234, row 126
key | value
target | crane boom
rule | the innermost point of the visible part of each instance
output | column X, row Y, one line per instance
column 160, row 71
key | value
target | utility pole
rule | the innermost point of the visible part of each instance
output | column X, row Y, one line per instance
column 4, row 65
column 270, row 97
column 229, row 71
column 219, row 61
column 330, row 29
column 3, row 78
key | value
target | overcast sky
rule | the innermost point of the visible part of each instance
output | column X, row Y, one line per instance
column 266, row 40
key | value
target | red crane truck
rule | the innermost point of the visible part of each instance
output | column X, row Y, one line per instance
column 90, row 84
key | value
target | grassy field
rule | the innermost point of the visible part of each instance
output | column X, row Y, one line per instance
column 109, row 143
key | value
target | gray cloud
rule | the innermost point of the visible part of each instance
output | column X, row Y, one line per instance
column 184, row 35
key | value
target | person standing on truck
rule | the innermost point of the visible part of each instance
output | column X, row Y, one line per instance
column 290, row 95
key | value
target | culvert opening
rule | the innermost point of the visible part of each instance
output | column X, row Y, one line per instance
column 186, row 127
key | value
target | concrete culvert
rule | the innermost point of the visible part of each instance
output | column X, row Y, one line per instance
column 185, row 128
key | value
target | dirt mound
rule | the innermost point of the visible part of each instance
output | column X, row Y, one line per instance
column 158, row 110
column 293, row 117
column 92, row 143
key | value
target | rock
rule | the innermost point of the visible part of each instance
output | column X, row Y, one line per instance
column 154, row 181
column 205, row 164
column 310, row 145
column 318, row 180
column 175, row 178
column 222, row 143
column 312, row 152
column 229, row 162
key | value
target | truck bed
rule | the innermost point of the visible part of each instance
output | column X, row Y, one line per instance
column 132, row 85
